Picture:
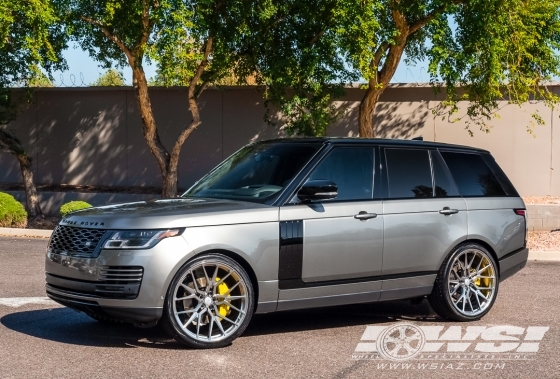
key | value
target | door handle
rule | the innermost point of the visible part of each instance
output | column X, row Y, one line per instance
column 363, row 216
column 447, row 211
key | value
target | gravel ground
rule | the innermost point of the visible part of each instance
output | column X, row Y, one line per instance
column 541, row 199
column 544, row 241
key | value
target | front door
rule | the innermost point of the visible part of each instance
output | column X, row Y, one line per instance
column 333, row 250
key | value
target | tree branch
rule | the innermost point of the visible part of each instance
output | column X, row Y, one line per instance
column 201, row 67
column 418, row 24
column 147, row 23
column 110, row 36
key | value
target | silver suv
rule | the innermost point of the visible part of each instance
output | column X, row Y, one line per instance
column 298, row 223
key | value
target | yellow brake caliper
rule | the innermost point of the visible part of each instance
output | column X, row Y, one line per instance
column 223, row 309
column 484, row 281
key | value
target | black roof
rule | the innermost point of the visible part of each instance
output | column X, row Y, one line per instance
column 374, row 141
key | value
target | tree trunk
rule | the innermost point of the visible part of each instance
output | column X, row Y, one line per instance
column 383, row 75
column 33, row 206
column 13, row 146
column 367, row 110
column 151, row 135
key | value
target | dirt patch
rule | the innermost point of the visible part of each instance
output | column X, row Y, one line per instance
column 43, row 223
column 544, row 241
column 537, row 200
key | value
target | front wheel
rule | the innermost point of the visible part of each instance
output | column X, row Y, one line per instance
column 466, row 285
column 209, row 302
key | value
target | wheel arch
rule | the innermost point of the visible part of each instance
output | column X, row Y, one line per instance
column 239, row 259
column 486, row 245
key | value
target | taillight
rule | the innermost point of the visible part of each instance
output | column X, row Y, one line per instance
column 520, row 212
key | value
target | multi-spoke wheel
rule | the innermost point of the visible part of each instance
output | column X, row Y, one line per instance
column 467, row 284
column 209, row 302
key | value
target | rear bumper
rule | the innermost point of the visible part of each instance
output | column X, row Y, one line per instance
column 513, row 262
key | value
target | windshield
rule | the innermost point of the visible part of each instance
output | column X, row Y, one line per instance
column 255, row 173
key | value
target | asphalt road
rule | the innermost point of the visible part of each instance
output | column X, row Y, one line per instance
column 47, row 340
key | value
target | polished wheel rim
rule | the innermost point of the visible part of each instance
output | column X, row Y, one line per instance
column 472, row 282
column 210, row 301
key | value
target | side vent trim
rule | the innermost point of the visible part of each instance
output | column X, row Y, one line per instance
column 291, row 250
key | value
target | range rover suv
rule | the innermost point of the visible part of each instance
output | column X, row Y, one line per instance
column 297, row 223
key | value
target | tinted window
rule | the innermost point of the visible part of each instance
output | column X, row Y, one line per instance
column 352, row 171
column 500, row 175
column 472, row 175
column 256, row 172
column 444, row 185
column 409, row 172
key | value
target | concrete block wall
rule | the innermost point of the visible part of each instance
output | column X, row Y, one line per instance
column 93, row 136
column 52, row 201
column 543, row 217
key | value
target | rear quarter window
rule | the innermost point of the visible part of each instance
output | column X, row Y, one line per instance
column 472, row 175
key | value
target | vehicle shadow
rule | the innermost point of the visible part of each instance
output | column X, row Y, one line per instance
column 67, row 326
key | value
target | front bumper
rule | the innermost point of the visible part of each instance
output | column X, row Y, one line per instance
column 89, row 284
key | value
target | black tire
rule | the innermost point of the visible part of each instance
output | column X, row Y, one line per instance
column 441, row 300
column 174, row 324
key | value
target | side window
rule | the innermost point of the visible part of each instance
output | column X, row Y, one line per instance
column 410, row 174
column 500, row 175
column 472, row 175
column 444, row 185
column 352, row 171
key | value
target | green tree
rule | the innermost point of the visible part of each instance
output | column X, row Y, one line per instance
column 482, row 51
column 191, row 42
column 111, row 78
column 28, row 44
column 294, row 47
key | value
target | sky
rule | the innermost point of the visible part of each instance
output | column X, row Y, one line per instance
column 83, row 70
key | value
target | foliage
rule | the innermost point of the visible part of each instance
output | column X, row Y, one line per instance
column 500, row 50
column 111, row 78
column 28, row 41
column 192, row 42
column 39, row 80
column 483, row 51
column 73, row 206
column 12, row 212
column 295, row 49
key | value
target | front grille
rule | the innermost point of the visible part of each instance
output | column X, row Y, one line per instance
column 75, row 241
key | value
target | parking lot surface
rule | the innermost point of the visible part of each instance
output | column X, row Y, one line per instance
column 39, row 338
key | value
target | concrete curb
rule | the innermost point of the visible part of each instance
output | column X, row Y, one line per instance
column 550, row 255
column 534, row 255
column 16, row 232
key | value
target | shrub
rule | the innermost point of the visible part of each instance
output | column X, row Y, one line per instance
column 73, row 206
column 12, row 212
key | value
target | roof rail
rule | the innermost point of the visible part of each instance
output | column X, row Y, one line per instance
column 418, row 139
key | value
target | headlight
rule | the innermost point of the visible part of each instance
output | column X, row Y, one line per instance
column 139, row 239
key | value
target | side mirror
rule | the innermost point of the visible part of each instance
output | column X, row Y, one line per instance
column 315, row 190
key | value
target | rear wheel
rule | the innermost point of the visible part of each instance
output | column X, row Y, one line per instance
column 209, row 302
column 466, row 285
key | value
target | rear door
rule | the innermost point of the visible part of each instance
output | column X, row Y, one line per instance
column 424, row 218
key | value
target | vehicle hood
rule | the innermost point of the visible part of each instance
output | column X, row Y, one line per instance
column 171, row 213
